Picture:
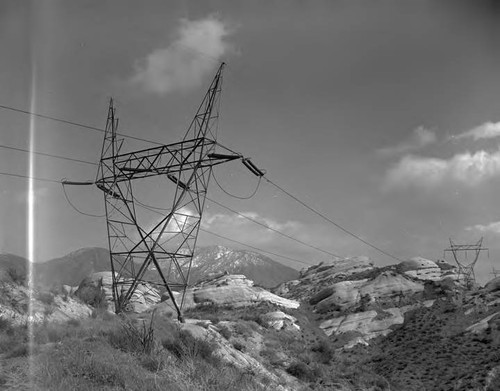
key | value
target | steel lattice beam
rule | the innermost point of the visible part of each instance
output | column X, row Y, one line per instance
column 159, row 253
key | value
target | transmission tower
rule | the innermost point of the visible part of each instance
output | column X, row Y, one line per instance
column 159, row 253
column 495, row 272
column 466, row 268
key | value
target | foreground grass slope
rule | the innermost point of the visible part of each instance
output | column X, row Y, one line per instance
column 109, row 353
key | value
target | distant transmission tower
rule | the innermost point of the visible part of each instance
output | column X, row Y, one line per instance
column 144, row 247
column 495, row 272
column 466, row 268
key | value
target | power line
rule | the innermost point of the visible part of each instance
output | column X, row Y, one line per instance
column 273, row 229
column 73, row 123
column 233, row 195
column 333, row 222
column 255, row 248
column 75, row 208
column 157, row 143
column 47, row 155
column 30, row 177
column 152, row 209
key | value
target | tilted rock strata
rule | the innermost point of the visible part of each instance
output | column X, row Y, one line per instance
column 315, row 278
column 233, row 290
column 348, row 294
column 425, row 269
column 369, row 324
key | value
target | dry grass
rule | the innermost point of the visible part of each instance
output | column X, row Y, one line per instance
column 112, row 354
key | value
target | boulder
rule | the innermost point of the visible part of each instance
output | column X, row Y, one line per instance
column 493, row 285
column 483, row 324
column 278, row 320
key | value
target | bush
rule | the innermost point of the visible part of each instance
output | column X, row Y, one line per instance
column 133, row 339
column 225, row 332
column 325, row 352
column 16, row 275
column 239, row 346
column 5, row 325
column 45, row 298
column 301, row 371
column 18, row 351
column 185, row 345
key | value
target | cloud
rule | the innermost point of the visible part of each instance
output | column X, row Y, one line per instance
column 466, row 168
column 187, row 60
column 419, row 139
column 484, row 131
column 181, row 220
column 492, row 227
column 230, row 223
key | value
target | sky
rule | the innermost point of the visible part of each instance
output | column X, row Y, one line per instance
column 382, row 115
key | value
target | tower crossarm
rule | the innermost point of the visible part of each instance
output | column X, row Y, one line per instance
column 165, row 159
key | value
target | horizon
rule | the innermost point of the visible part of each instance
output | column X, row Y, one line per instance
column 383, row 117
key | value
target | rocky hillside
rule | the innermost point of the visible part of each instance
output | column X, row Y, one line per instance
column 354, row 301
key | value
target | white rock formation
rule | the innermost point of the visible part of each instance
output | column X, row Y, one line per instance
column 482, row 325
column 347, row 294
column 233, row 290
column 278, row 320
column 369, row 323
column 425, row 269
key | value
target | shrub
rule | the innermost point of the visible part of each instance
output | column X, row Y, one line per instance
column 225, row 332
column 16, row 275
column 325, row 352
column 133, row 339
column 185, row 345
column 239, row 346
column 301, row 371
column 5, row 325
column 45, row 298
column 18, row 351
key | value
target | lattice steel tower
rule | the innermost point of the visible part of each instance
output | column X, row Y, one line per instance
column 465, row 268
column 159, row 253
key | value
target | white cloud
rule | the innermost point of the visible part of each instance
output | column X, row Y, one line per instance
column 492, row 227
column 466, row 168
column 484, row 131
column 181, row 220
column 230, row 223
column 187, row 60
column 419, row 139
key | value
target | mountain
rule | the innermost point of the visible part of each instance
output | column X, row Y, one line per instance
column 72, row 268
column 13, row 267
column 256, row 267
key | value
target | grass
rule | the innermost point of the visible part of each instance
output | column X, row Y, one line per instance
column 115, row 353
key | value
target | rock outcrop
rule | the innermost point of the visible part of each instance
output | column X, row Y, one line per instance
column 20, row 306
column 278, row 320
column 96, row 290
column 354, row 299
column 232, row 290
column 424, row 269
